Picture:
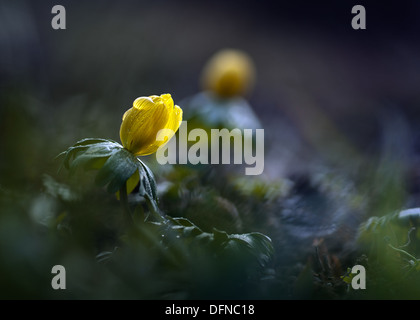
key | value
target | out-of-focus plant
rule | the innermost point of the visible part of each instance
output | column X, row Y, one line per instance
column 378, row 232
column 229, row 73
column 391, row 244
column 227, row 79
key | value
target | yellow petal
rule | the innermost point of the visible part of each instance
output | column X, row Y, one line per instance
column 125, row 114
column 131, row 183
column 141, row 129
column 141, row 123
column 174, row 121
column 167, row 99
column 164, row 135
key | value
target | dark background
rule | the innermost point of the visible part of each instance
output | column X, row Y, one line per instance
column 73, row 83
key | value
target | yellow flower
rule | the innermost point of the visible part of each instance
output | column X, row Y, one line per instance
column 229, row 73
column 141, row 128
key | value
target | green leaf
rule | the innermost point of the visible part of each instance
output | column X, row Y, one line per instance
column 185, row 227
column 147, row 182
column 255, row 245
column 89, row 153
column 220, row 237
column 117, row 170
column 90, row 156
column 93, row 141
column 116, row 165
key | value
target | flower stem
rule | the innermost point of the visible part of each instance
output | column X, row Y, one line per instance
column 128, row 218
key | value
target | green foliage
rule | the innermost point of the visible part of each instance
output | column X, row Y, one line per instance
column 115, row 164
column 377, row 232
column 391, row 244
column 89, row 153
column 194, row 263
column 254, row 244
column 119, row 167
column 148, row 183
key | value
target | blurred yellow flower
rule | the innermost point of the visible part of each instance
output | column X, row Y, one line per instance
column 149, row 124
column 229, row 73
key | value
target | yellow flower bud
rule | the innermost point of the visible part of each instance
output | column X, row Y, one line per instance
column 141, row 126
column 229, row 73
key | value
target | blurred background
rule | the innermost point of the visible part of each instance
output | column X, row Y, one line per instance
column 314, row 72
column 331, row 99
